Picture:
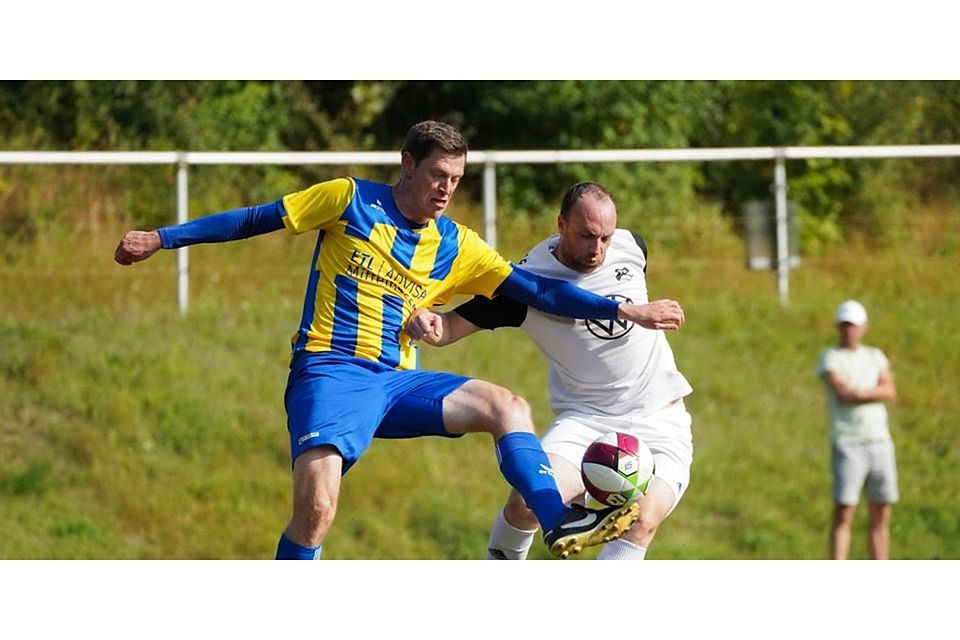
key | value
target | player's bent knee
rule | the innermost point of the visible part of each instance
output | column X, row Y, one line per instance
column 483, row 406
column 518, row 416
column 508, row 412
column 511, row 413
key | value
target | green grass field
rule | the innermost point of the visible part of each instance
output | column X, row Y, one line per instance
column 127, row 431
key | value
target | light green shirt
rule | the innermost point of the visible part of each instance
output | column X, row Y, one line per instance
column 861, row 369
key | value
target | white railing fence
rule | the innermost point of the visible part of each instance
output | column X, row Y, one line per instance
column 489, row 159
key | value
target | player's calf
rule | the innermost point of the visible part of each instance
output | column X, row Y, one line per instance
column 654, row 507
column 518, row 514
column 316, row 486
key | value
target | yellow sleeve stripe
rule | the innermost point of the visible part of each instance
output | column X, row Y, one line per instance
column 319, row 206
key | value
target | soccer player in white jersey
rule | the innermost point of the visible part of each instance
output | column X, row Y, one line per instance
column 604, row 376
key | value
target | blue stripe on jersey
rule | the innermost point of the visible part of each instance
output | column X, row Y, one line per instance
column 448, row 249
column 359, row 215
column 310, row 301
column 359, row 221
column 380, row 196
column 345, row 314
column 392, row 323
column 404, row 244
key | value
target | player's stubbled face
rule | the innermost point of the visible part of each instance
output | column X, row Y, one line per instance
column 433, row 181
column 586, row 233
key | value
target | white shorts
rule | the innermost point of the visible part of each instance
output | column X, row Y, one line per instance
column 666, row 432
column 870, row 465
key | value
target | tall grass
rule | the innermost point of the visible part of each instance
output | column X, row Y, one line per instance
column 127, row 431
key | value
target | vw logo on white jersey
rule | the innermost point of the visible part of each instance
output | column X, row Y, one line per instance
column 610, row 329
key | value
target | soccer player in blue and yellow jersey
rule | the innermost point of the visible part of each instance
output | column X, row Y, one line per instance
column 382, row 252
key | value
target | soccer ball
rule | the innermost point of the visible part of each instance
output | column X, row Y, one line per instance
column 616, row 469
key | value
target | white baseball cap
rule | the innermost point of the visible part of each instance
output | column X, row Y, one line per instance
column 853, row 312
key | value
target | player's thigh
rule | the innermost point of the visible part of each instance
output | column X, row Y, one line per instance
column 417, row 404
column 569, row 435
column 333, row 403
column 479, row 405
column 668, row 435
column 881, row 481
column 659, row 501
column 850, row 465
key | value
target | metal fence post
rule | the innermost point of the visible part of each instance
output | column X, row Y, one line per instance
column 783, row 257
column 183, row 262
column 490, row 203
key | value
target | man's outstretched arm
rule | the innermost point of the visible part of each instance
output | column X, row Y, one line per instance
column 235, row 224
column 553, row 296
column 562, row 298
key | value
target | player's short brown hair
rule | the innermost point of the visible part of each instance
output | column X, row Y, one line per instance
column 428, row 135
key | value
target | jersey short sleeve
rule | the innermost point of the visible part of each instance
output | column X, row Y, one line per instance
column 481, row 269
column 317, row 207
column 825, row 363
column 882, row 362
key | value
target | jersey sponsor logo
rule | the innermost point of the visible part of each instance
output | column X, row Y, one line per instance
column 365, row 266
column 378, row 206
column 623, row 273
column 610, row 329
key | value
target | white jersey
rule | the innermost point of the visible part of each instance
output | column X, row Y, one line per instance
column 605, row 367
column 861, row 368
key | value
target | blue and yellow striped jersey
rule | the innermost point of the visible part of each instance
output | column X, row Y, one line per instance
column 372, row 267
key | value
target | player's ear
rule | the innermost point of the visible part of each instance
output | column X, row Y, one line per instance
column 407, row 164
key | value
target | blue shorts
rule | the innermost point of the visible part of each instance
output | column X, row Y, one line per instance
column 345, row 402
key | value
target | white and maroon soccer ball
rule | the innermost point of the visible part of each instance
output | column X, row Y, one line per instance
column 617, row 468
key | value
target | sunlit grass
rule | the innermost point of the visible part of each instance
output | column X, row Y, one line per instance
column 127, row 431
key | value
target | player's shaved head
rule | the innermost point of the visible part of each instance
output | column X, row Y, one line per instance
column 424, row 137
column 579, row 191
column 587, row 222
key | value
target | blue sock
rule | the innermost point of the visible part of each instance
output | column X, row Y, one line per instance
column 527, row 468
column 287, row 549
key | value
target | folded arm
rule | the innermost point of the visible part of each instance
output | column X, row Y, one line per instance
column 884, row 390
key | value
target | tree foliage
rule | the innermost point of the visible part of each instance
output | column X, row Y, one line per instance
column 375, row 115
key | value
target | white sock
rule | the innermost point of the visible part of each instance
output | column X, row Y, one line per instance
column 621, row 549
column 507, row 542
